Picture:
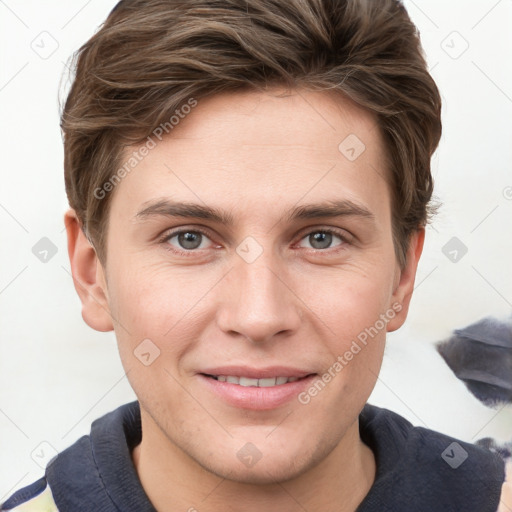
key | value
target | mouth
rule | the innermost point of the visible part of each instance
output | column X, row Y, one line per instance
column 265, row 382
column 250, row 388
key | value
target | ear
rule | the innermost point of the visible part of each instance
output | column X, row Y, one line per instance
column 404, row 281
column 88, row 276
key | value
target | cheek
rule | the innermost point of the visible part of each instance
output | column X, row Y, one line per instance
column 357, row 316
column 161, row 305
column 354, row 310
column 350, row 300
column 152, row 300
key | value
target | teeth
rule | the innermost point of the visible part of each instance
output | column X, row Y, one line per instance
column 265, row 383
column 244, row 381
column 262, row 383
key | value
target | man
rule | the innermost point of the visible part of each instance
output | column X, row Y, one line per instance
column 249, row 184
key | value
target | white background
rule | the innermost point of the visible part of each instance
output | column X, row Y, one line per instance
column 57, row 375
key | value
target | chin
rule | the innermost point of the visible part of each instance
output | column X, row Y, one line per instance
column 271, row 465
column 262, row 473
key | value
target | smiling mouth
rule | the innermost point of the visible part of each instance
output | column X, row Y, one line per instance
column 251, row 382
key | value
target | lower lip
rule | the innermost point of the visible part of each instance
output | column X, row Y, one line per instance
column 257, row 398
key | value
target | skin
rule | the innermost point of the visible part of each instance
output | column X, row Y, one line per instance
column 301, row 303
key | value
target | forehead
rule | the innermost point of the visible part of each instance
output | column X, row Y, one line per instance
column 259, row 150
column 294, row 121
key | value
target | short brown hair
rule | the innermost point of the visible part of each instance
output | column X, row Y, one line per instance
column 152, row 56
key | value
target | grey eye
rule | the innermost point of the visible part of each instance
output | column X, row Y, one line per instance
column 320, row 240
column 190, row 239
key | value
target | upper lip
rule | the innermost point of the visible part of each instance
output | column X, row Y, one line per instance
column 257, row 373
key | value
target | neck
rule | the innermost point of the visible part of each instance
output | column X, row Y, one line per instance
column 174, row 481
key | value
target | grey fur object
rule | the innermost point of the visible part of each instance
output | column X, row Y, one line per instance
column 481, row 356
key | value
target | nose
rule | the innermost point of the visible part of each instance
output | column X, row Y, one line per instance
column 258, row 301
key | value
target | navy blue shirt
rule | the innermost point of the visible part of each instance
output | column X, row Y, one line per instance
column 418, row 469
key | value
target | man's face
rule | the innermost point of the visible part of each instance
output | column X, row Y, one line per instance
column 267, row 293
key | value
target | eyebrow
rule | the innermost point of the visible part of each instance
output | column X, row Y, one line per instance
column 327, row 209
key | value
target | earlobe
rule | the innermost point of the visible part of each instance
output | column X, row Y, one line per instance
column 88, row 276
column 402, row 293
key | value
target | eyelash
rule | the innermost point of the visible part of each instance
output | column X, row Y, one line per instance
column 168, row 236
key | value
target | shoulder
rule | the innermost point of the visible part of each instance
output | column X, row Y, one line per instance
column 506, row 491
column 36, row 497
column 388, row 428
column 431, row 466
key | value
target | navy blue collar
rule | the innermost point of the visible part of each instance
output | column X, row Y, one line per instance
column 414, row 468
column 97, row 473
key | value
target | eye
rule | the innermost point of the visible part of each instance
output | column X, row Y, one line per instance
column 186, row 240
column 189, row 240
column 321, row 239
